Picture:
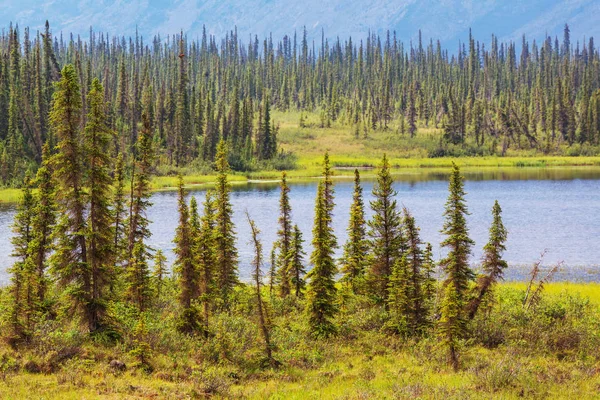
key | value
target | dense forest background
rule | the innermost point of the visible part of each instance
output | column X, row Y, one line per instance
column 543, row 97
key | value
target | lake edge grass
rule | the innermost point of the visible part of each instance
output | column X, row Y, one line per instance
column 310, row 167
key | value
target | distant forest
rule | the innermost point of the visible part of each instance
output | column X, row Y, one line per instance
column 193, row 93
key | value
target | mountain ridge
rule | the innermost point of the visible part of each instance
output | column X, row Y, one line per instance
column 448, row 20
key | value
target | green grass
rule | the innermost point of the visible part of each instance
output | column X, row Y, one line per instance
column 590, row 291
column 347, row 374
column 10, row 195
column 358, row 364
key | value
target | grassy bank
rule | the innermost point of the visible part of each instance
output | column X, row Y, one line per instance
column 549, row 352
column 310, row 167
column 346, row 150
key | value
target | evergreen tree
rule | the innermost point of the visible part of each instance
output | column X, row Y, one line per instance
column 206, row 257
column 451, row 323
column 99, row 234
column 284, row 238
column 386, row 243
column 398, row 301
column 160, row 271
column 183, row 139
column 226, row 253
column 70, row 261
column 22, row 292
column 456, row 266
column 139, row 201
column 417, row 311
column 43, row 222
column 492, row 264
column 321, row 290
column 139, row 287
column 294, row 262
column 429, row 281
column 354, row 260
column 185, row 267
column 119, row 211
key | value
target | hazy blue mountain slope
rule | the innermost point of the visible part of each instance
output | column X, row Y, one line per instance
column 448, row 20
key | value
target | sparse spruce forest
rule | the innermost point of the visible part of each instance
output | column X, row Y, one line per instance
column 274, row 99
column 88, row 128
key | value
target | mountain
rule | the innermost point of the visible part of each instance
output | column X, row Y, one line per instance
column 447, row 20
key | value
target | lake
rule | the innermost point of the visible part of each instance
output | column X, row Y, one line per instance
column 553, row 209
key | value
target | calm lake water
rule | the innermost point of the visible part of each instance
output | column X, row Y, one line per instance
column 543, row 208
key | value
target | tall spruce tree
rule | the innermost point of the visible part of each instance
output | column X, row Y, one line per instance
column 137, row 272
column 452, row 324
column 100, row 257
column 119, row 211
column 321, row 291
column 385, row 232
column 43, row 224
column 186, row 268
column 354, row 260
column 184, row 128
column 139, row 201
column 226, row 254
column 417, row 312
column 206, row 257
column 70, row 260
column 284, row 238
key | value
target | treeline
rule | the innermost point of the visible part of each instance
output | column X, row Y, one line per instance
column 195, row 92
column 82, row 257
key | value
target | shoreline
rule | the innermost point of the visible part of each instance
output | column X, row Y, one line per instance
column 309, row 169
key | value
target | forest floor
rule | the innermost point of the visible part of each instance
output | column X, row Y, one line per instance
column 362, row 365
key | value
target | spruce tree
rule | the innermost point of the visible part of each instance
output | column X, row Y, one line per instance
column 455, row 266
column 185, row 267
column 492, row 264
column 160, row 271
column 226, row 253
column 321, row 291
column 183, row 130
column 398, row 300
column 22, row 294
column 97, row 137
column 429, row 281
column 70, row 260
column 294, row 261
column 139, row 201
column 284, row 238
column 354, row 260
column 43, row 223
column 139, row 287
column 206, row 257
column 119, row 211
column 386, row 241
column 451, row 323
column 417, row 312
